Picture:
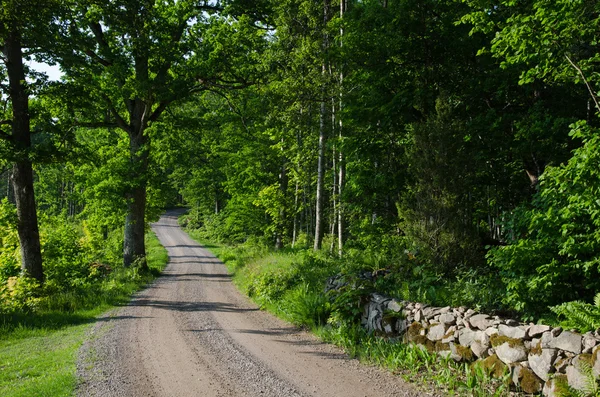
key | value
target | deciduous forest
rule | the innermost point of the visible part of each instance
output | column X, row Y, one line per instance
column 451, row 144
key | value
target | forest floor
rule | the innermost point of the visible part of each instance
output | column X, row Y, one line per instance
column 193, row 333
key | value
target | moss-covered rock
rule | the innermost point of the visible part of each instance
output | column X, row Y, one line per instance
column 557, row 386
column 441, row 346
column 493, row 366
column 461, row 353
column 416, row 333
column 596, row 361
column 525, row 380
column 497, row 340
column 536, row 348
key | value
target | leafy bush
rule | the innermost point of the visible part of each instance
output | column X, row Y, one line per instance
column 19, row 294
column 9, row 242
column 269, row 286
column 66, row 261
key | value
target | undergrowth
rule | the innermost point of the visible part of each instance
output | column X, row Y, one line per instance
column 291, row 283
column 39, row 338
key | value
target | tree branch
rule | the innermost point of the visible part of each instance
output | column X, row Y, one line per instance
column 96, row 28
column 121, row 123
column 585, row 81
column 206, row 7
column 175, row 38
column 98, row 59
column 225, row 84
column 98, row 124
column 232, row 107
column 158, row 111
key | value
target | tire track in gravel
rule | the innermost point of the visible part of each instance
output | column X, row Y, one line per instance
column 191, row 333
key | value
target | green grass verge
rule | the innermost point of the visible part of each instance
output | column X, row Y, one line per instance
column 38, row 351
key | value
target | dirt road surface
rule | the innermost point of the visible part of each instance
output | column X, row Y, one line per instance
column 191, row 333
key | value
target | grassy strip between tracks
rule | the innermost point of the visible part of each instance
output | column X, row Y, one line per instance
column 38, row 350
column 290, row 285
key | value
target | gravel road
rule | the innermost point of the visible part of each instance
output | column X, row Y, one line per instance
column 191, row 333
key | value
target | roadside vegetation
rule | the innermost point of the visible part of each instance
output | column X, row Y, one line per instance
column 291, row 284
column 42, row 327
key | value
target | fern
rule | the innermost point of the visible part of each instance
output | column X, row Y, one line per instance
column 580, row 315
column 592, row 384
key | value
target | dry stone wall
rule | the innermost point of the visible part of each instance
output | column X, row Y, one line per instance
column 540, row 358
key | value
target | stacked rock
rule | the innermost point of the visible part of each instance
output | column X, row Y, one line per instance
column 539, row 358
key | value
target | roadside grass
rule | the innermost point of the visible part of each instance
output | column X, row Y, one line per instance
column 38, row 351
column 415, row 364
column 290, row 284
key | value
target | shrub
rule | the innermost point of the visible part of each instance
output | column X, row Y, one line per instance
column 9, row 242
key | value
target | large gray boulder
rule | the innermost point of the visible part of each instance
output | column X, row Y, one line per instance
column 467, row 336
column 479, row 349
column 394, row 306
column 567, row 341
column 542, row 364
column 436, row 332
column 511, row 332
column 481, row 321
column 511, row 353
column 535, row 331
column 447, row 318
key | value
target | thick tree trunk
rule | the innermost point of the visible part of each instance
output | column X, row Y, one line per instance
column 295, row 226
column 341, row 175
column 27, row 226
column 134, row 246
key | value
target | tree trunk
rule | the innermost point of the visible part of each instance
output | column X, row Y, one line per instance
column 320, row 177
column 322, row 140
column 295, row 226
column 281, row 223
column 341, row 175
column 134, row 246
column 27, row 225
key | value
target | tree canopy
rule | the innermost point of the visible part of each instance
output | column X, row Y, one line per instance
column 454, row 139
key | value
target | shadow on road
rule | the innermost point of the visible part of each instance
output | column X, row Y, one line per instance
column 183, row 246
column 211, row 278
column 191, row 257
column 191, row 306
